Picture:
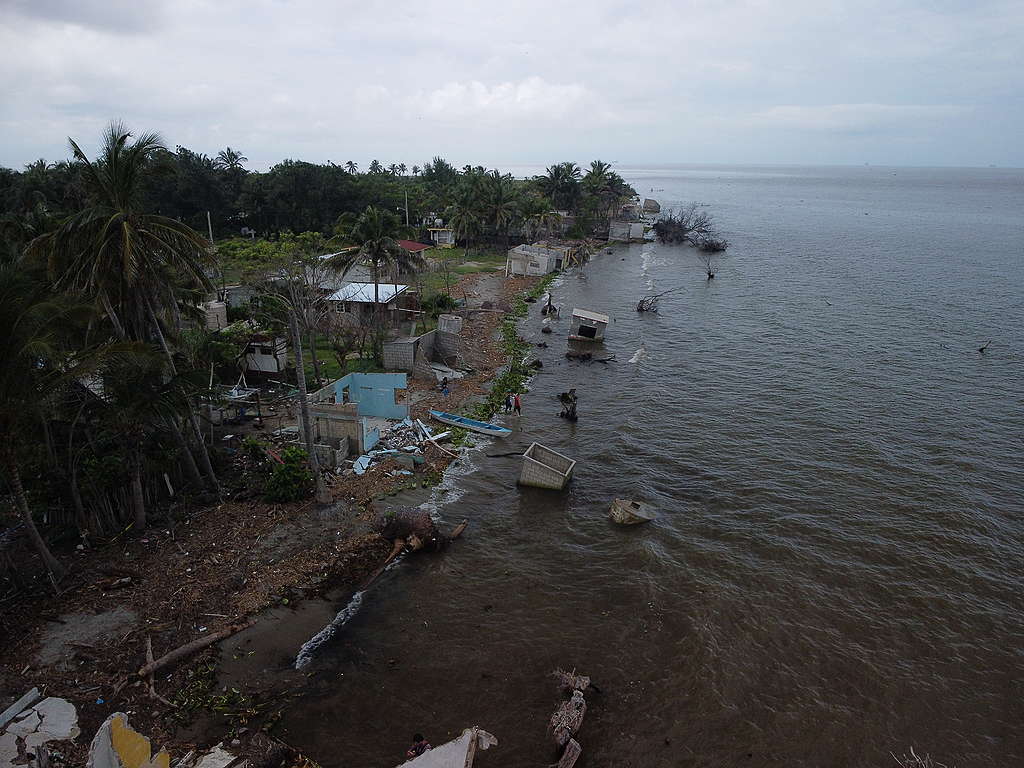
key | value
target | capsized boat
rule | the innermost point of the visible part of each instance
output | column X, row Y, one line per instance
column 483, row 427
column 629, row 512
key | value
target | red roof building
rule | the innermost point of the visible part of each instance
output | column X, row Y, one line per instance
column 413, row 247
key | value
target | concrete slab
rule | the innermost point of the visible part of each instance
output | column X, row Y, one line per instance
column 8, row 749
column 218, row 757
column 58, row 722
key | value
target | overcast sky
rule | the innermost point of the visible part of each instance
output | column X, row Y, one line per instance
column 906, row 82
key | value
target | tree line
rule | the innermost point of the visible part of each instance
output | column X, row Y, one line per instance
column 299, row 196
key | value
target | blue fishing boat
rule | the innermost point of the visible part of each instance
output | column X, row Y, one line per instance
column 482, row 427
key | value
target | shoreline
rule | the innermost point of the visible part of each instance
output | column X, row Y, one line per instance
column 232, row 561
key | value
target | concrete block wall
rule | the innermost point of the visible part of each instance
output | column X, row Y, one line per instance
column 401, row 354
column 446, row 345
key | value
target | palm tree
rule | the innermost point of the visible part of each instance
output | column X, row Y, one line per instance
column 561, row 184
column 393, row 169
column 230, row 160
column 415, row 170
column 402, row 169
column 376, row 167
column 352, row 167
column 134, row 265
column 500, row 204
column 34, row 368
column 376, row 232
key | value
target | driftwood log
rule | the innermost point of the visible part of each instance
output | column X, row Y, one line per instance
column 568, row 718
column 570, row 681
column 186, row 650
column 570, row 755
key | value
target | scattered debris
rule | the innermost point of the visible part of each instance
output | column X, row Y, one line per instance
column 26, row 733
column 566, row 721
column 568, row 401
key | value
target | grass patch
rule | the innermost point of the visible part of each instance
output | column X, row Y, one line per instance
column 514, row 378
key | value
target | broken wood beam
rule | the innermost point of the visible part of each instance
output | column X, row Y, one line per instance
column 568, row 718
column 572, row 753
column 184, row 651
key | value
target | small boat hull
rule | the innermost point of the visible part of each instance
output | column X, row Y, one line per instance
column 628, row 512
column 482, row 427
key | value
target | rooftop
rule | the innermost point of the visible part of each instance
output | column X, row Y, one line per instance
column 413, row 247
column 363, row 292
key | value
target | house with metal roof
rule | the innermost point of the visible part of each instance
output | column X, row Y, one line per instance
column 359, row 301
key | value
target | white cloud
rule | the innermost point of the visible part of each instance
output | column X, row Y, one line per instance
column 532, row 98
column 856, row 118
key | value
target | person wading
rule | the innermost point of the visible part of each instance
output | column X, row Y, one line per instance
column 517, row 405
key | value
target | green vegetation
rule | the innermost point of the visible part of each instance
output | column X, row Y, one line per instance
column 291, row 480
column 513, row 379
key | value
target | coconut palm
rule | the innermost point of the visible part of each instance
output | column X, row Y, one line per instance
column 402, row 168
column 376, row 232
column 34, row 368
column 415, row 170
column 230, row 160
column 561, row 184
column 500, row 203
column 352, row 167
column 376, row 167
column 134, row 265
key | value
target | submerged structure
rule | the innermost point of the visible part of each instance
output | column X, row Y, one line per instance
column 545, row 468
column 587, row 325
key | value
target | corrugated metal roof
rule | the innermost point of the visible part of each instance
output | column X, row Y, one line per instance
column 363, row 292
column 597, row 317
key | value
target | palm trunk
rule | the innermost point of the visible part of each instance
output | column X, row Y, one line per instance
column 190, row 461
column 138, row 500
column 307, row 426
column 204, row 454
column 378, row 347
column 53, row 565
column 313, row 357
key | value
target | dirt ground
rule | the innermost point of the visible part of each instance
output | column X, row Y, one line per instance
column 211, row 567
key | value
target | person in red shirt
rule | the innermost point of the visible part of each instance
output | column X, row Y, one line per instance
column 517, row 405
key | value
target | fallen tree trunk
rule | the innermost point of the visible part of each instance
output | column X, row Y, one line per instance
column 570, row 755
column 184, row 651
column 568, row 718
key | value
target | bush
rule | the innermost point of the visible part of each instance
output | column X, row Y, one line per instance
column 291, row 480
column 438, row 304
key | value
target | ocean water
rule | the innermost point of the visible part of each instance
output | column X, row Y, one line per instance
column 837, row 568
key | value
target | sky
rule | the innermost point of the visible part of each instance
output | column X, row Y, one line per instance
column 899, row 82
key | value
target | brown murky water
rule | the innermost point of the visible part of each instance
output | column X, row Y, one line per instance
column 836, row 571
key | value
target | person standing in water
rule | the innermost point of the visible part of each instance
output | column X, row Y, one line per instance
column 517, row 405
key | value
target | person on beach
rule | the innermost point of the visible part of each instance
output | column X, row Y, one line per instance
column 444, row 386
column 419, row 746
column 517, row 405
column 508, row 402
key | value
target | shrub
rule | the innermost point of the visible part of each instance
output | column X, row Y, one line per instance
column 291, row 480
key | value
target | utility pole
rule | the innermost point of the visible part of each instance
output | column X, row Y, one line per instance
column 407, row 207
